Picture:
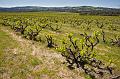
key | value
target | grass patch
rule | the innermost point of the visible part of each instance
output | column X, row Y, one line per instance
column 12, row 65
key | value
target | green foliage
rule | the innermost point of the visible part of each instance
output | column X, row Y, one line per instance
column 50, row 42
column 68, row 26
column 85, row 57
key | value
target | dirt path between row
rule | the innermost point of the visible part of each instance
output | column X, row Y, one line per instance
column 51, row 60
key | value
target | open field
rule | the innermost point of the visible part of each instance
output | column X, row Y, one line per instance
column 45, row 32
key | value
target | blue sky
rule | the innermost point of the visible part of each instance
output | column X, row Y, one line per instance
column 51, row 3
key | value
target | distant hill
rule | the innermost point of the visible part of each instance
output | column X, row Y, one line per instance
column 79, row 9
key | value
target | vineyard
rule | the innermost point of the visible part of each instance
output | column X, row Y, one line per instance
column 89, row 43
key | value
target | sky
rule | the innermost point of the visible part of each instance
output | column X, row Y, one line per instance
column 60, row 3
